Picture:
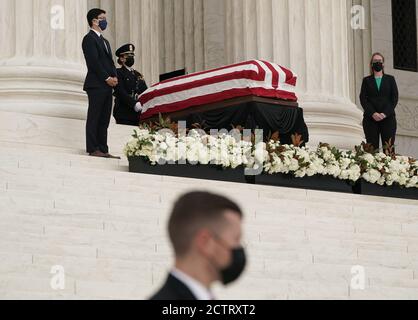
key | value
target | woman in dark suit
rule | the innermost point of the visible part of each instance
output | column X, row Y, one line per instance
column 379, row 98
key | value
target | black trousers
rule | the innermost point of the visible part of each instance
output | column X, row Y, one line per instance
column 380, row 131
column 98, row 119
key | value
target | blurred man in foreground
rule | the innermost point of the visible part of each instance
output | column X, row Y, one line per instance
column 205, row 230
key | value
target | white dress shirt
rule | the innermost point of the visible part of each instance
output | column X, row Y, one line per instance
column 97, row 32
column 199, row 291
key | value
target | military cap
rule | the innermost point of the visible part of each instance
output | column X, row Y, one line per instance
column 127, row 48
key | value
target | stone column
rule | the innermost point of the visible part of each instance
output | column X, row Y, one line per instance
column 360, row 47
column 325, row 88
column 41, row 61
column 181, row 37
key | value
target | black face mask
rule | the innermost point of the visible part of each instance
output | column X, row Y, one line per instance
column 234, row 271
column 378, row 66
column 130, row 61
column 236, row 268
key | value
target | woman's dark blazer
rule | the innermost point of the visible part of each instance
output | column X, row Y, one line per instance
column 384, row 100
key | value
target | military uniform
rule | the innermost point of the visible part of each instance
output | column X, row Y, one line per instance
column 131, row 84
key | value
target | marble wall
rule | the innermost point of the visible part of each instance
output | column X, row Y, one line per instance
column 407, row 111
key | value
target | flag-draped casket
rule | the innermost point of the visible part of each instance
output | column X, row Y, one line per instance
column 250, row 78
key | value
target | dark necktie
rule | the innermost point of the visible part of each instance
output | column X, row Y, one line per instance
column 101, row 37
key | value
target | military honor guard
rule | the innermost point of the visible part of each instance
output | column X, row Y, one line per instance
column 131, row 84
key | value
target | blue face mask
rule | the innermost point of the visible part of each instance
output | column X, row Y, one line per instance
column 103, row 24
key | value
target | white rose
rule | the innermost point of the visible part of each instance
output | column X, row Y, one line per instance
column 369, row 158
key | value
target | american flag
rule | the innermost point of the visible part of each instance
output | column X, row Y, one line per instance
column 250, row 78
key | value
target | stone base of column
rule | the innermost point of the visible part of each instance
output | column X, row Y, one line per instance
column 51, row 88
column 332, row 120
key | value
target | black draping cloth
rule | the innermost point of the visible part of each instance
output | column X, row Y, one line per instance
column 255, row 115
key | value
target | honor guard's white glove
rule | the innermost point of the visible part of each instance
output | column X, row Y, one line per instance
column 138, row 107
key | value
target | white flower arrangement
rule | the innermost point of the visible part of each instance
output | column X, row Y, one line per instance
column 388, row 170
column 194, row 148
column 228, row 151
column 301, row 162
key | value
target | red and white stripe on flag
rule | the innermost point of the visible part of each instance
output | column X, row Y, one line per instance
column 256, row 77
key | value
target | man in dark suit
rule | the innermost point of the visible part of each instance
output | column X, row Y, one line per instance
column 100, row 80
column 131, row 85
column 205, row 230
column 379, row 97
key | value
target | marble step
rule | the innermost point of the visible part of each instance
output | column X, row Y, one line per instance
column 50, row 155
column 35, row 163
column 138, row 290
column 32, row 285
column 257, row 232
column 12, row 294
column 23, row 148
column 277, row 271
column 90, row 177
column 16, row 128
column 155, row 247
column 142, row 275
column 154, row 239
column 252, row 199
column 385, row 293
column 84, row 268
column 23, row 205
column 276, row 289
column 67, row 198
column 52, row 168
column 107, row 227
column 86, row 180
column 266, row 240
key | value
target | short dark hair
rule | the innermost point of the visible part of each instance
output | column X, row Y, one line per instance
column 94, row 14
column 194, row 211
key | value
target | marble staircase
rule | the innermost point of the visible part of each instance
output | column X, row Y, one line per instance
column 107, row 227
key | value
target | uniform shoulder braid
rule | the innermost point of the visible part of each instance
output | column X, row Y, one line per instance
column 139, row 75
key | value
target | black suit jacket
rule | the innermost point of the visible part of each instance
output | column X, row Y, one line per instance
column 384, row 100
column 100, row 63
column 174, row 290
column 130, row 83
